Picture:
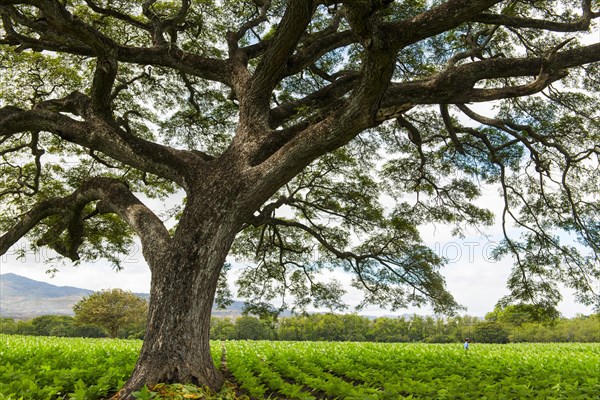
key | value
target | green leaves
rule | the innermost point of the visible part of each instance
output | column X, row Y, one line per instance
column 377, row 371
column 30, row 77
column 185, row 96
column 112, row 310
column 39, row 368
column 337, row 214
column 144, row 394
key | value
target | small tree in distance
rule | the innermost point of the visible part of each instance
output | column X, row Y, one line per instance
column 111, row 310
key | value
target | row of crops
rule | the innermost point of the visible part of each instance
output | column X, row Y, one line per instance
column 80, row 369
column 392, row 371
column 64, row 368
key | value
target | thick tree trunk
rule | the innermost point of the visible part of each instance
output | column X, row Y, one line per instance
column 176, row 346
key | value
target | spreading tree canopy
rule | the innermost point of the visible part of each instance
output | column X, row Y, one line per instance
column 306, row 135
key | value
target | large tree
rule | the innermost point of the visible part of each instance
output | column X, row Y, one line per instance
column 306, row 135
column 111, row 310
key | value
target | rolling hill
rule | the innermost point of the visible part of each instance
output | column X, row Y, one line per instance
column 24, row 298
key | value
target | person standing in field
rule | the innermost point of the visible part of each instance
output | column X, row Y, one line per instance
column 466, row 345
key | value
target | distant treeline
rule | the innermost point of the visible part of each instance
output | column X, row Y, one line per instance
column 49, row 325
column 61, row 326
column 496, row 328
column 351, row 327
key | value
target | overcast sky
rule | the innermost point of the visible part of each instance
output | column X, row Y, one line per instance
column 476, row 281
column 472, row 277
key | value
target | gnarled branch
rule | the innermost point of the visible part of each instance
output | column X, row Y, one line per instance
column 115, row 197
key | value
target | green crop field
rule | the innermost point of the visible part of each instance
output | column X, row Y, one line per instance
column 56, row 368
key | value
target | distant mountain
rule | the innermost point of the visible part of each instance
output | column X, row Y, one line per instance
column 24, row 298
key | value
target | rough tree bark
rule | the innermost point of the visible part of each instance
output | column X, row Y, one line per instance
column 277, row 134
column 177, row 345
column 184, row 279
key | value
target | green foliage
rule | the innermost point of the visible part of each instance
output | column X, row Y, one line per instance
column 222, row 329
column 49, row 368
column 40, row 368
column 50, row 325
column 352, row 327
column 358, row 208
column 251, row 328
column 112, row 310
column 339, row 221
column 377, row 371
column 223, row 295
column 518, row 314
column 490, row 332
column 80, row 392
column 47, row 76
column 144, row 394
